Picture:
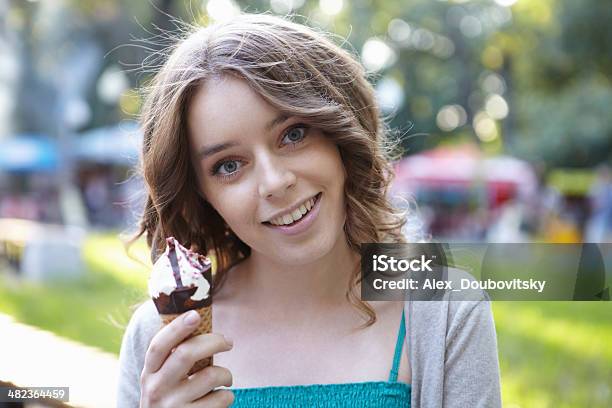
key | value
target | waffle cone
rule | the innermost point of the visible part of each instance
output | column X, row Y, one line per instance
column 204, row 327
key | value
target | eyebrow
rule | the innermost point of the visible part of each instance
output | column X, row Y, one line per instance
column 277, row 121
column 206, row 151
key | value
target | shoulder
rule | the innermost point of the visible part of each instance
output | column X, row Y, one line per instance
column 452, row 348
column 145, row 319
column 466, row 304
column 146, row 315
column 451, row 310
column 144, row 324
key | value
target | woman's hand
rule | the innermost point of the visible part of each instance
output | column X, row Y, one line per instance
column 164, row 381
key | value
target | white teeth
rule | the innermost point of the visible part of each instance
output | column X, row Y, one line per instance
column 295, row 215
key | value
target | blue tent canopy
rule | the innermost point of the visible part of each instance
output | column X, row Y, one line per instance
column 118, row 144
column 28, row 152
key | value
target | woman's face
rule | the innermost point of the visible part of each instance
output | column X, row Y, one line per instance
column 277, row 183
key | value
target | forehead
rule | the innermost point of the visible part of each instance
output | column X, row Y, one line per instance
column 227, row 108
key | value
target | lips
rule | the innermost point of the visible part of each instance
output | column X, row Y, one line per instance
column 297, row 214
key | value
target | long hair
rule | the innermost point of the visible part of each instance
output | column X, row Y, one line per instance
column 300, row 72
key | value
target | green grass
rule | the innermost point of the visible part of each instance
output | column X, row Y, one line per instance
column 555, row 354
column 92, row 309
column 552, row 354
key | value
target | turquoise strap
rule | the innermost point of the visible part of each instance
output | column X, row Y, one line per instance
column 398, row 350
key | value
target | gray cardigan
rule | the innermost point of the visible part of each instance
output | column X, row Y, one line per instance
column 451, row 345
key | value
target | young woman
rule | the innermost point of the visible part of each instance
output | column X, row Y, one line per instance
column 264, row 146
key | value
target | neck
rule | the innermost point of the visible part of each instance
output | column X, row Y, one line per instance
column 305, row 287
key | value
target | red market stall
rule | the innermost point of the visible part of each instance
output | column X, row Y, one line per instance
column 460, row 186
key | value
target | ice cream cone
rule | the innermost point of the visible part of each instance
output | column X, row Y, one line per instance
column 181, row 280
column 204, row 327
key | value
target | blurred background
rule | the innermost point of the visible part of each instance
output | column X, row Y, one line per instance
column 502, row 107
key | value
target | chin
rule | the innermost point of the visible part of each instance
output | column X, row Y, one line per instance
column 305, row 254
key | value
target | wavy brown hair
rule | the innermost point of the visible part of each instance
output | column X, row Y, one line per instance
column 300, row 72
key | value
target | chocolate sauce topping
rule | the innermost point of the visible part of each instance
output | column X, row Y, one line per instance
column 180, row 299
column 174, row 262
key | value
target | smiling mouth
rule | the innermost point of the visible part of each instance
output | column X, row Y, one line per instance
column 297, row 214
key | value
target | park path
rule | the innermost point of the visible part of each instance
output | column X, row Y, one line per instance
column 33, row 357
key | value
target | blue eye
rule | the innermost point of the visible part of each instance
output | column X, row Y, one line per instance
column 295, row 135
column 227, row 167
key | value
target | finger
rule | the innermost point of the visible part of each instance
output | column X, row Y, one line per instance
column 203, row 382
column 180, row 361
column 169, row 337
column 218, row 398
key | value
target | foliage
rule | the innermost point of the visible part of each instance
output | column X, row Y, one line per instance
column 552, row 56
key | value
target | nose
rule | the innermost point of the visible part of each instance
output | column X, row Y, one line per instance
column 275, row 178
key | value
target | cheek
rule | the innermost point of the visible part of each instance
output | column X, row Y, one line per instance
column 232, row 204
column 334, row 167
column 225, row 205
column 325, row 160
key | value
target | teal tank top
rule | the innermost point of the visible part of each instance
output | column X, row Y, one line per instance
column 368, row 394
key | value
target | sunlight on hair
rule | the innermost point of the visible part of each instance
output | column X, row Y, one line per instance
column 298, row 70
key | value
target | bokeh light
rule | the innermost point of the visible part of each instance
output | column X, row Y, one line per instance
column 112, row 83
column 496, row 107
column 506, row 3
column 485, row 127
column 285, row 6
column 493, row 83
column 331, row 7
column 399, row 30
column 390, row 94
column 450, row 117
column 443, row 47
column 377, row 54
column 220, row 10
column 470, row 26
column 422, row 39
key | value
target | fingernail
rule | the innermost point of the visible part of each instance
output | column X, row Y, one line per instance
column 229, row 341
column 192, row 318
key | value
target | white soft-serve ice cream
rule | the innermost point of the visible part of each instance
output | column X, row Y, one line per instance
column 179, row 270
column 180, row 281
